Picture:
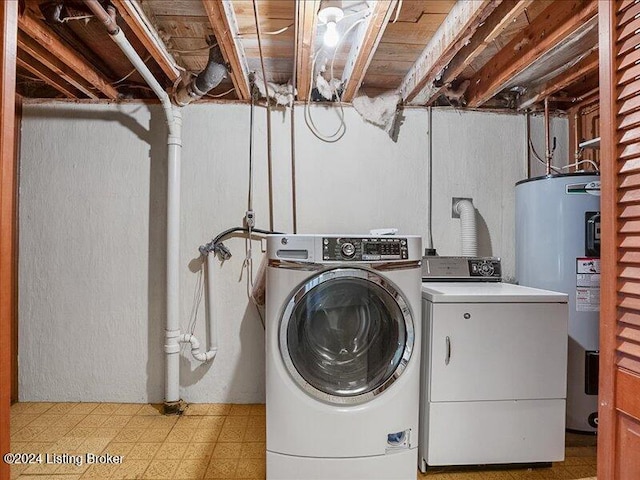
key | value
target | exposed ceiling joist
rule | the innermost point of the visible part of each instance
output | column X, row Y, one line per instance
column 305, row 25
column 458, row 27
column 134, row 17
column 496, row 23
column 364, row 47
column 70, row 65
column 586, row 66
column 57, row 66
column 225, row 28
column 553, row 25
column 47, row 75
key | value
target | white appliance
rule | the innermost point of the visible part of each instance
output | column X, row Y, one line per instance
column 493, row 386
column 558, row 248
column 343, row 356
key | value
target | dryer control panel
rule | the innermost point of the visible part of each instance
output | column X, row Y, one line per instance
column 363, row 249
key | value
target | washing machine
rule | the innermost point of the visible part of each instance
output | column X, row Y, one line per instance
column 342, row 356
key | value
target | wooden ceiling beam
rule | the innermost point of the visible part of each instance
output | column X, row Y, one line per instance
column 57, row 50
column 305, row 30
column 57, row 66
column 134, row 17
column 364, row 47
column 487, row 32
column 554, row 24
column 461, row 23
column 586, row 66
column 225, row 27
column 45, row 74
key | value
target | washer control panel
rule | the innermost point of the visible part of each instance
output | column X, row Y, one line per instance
column 470, row 269
column 363, row 249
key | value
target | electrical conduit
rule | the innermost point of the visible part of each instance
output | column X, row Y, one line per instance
column 468, row 231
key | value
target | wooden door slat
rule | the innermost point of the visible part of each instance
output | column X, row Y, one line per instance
column 627, row 121
column 626, row 286
column 629, row 181
column 627, row 46
column 630, row 196
column 630, row 211
column 630, row 272
column 629, row 59
column 629, row 166
column 630, row 151
column 630, row 318
column 630, row 29
column 629, row 14
column 629, row 348
column 628, row 363
column 629, row 90
column 630, row 226
column 630, row 332
column 630, row 135
column 630, row 241
column 624, row 5
column 629, row 105
column 628, row 75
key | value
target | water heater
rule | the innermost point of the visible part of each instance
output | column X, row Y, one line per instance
column 558, row 248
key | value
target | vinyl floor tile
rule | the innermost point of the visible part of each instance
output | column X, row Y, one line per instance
column 210, row 441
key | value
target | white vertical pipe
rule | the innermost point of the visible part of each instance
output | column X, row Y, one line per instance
column 213, row 325
column 172, row 332
column 174, row 144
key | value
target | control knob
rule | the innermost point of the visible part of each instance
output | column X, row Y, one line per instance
column 348, row 249
column 486, row 269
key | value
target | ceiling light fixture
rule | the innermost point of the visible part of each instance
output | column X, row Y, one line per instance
column 330, row 16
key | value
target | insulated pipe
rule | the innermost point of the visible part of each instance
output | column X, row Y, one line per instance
column 468, row 229
column 209, row 78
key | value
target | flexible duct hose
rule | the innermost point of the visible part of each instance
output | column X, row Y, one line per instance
column 468, row 231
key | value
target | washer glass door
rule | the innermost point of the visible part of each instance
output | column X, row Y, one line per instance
column 346, row 335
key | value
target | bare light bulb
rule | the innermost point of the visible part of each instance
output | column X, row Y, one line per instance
column 331, row 36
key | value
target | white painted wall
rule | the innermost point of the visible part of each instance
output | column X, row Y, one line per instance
column 92, row 227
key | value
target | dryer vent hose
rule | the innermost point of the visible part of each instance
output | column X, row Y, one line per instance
column 468, row 230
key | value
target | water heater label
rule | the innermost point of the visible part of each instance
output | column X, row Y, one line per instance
column 587, row 284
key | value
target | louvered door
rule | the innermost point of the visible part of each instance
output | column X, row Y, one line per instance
column 619, row 413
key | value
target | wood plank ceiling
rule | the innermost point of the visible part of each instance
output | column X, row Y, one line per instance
column 476, row 53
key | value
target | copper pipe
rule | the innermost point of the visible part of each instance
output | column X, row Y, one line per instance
column 107, row 17
column 546, row 135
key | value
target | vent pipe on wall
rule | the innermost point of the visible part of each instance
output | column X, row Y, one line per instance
column 469, row 234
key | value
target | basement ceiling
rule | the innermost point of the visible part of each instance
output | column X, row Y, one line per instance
column 475, row 53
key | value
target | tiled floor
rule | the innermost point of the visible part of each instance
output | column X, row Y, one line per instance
column 208, row 441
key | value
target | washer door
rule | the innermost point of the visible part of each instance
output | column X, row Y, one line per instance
column 346, row 335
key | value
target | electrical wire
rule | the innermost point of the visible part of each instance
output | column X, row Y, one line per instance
column 294, row 207
column 266, row 90
column 590, row 162
column 130, row 73
column 398, row 8
column 535, row 154
column 275, row 32
column 195, row 50
column 342, row 128
column 221, row 94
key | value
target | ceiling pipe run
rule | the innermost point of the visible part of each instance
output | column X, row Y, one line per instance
column 207, row 80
